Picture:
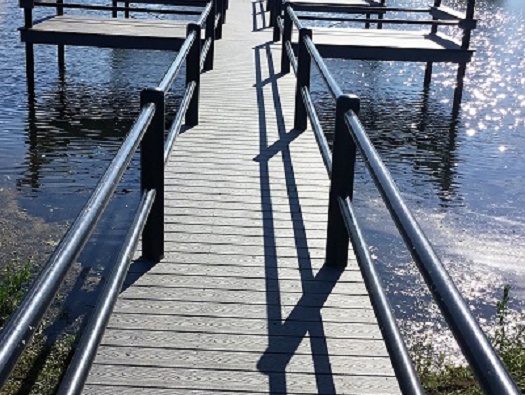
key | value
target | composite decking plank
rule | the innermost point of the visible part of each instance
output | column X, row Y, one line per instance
column 242, row 302
column 183, row 378
column 238, row 342
column 240, row 360
column 113, row 26
column 237, row 310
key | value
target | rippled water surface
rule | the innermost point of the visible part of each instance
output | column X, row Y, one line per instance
column 463, row 176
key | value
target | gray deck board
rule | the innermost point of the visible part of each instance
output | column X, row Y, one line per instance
column 241, row 302
column 108, row 32
column 386, row 44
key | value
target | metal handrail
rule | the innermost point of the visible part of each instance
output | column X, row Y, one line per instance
column 77, row 373
column 387, row 21
column 177, row 122
column 175, row 67
column 333, row 87
column 147, row 131
column 343, row 226
column 26, row 318
column 485, row 363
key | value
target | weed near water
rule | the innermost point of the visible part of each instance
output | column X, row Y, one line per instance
column 508, row 339
column 13, row 283
column 41, row 365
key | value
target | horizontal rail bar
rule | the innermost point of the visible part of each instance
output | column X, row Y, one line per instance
column 204, row 52
column 401, row 362
column 27, row 316
column 488, row 368
column 294, row 18
column 291, row 56
column 78, row 370
column 109, row 8
column 356, row 9
column 204, row 15
column 330, row 82
column 173, row 71
column 318, row 131
column 177, row 122
column 389, row 21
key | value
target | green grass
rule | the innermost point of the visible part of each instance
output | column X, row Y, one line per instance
column 13, row 283
column 508, row 339
column 42, row 365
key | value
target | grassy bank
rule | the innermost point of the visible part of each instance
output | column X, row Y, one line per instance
column 508, row 338
column 42, row 364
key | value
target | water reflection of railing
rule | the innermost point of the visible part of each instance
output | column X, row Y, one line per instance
column 148, row 132
column 343, row 227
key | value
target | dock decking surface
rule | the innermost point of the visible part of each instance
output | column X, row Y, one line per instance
column 108, row 32
column 387, row 44
column 241, row 303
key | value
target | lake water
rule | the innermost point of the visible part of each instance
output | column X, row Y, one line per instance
column 462, row 176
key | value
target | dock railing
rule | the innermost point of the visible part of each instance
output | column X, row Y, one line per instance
column 148, row 133
column 439, row 16
column 343, row 226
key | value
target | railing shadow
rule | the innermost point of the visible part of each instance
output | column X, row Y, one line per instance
column 305, row 318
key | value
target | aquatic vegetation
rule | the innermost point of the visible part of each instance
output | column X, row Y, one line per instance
column 42, row 364
column 508, row 338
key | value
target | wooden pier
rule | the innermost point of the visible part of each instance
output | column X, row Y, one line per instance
column 241, row 302
column 245, row 290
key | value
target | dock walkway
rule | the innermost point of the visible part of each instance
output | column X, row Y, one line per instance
column 241, row 303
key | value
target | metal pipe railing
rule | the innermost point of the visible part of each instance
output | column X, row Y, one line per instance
column 318, row 131
column 175, row 67
column 78, row 370
column 343, row 227
column 177, row 122
column 388, row 21
column 333, row 86
column 26, row 318
column 148, row 132
column 488, row 368
column 401, row 361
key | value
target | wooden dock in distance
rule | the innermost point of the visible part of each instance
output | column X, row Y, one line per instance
column 387, row 44
column 242, row 303
column 108, row 32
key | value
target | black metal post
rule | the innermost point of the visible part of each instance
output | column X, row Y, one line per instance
column 210, row 34
column 30, row 54
column 272, row 12
column 458, row 91
column 278, row 12
column 220, row 10
column 428, row 75
column 60, row 48
column 342, row 184
column 380, row 15
column 193, row 74
column 126, row 12
column 304, row 62
column 114, row 4
column 434, row 29
column 465, row 42
column 152, row 175
column 367, row 23
column 287, row 37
